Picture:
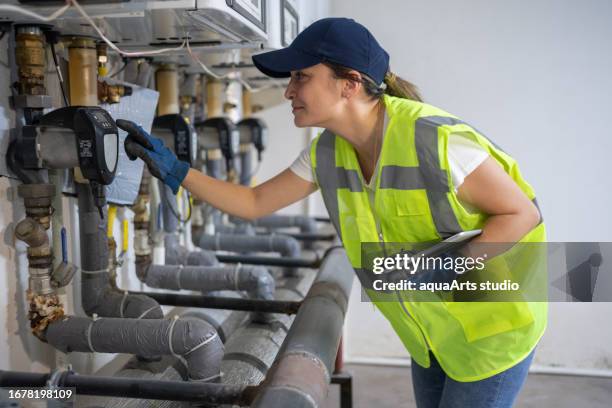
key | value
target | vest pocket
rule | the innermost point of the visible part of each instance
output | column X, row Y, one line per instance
column 480, row 318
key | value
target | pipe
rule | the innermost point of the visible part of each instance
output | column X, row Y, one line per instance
column 282, row 244
column 254, row 279
column 244, row 229
column 302, row 371
column 138, row 72
column 208, row 393
column 212, row 302
column 97, row 295
column 166, row 82
column 187, row 93
column 270, row 261
column 214, row 163
column 83, row 64
column 194, row 342
column 225, row 321
column 44, row 304
column 251, row 351
column 257, row 281
column 246, row 164
column 31, row 60
column 304, row 223
column 177, row 254
column 308, row 236
column 214, row 89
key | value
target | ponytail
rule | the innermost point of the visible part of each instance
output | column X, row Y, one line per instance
column 396, row 86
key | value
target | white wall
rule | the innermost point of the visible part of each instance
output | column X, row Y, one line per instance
column 534, row 77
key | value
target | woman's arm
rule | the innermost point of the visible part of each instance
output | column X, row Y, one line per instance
column 490, row 189
column 245, row 202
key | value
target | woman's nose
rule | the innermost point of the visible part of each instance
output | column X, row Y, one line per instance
column 289, row 91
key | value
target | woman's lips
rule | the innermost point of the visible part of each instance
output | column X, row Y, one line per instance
column 296, row 108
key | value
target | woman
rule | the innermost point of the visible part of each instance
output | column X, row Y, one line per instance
column 393, row 169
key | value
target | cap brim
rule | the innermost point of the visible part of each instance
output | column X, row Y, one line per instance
column 280, row 63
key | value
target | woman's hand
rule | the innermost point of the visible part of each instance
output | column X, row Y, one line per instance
column 162, row 163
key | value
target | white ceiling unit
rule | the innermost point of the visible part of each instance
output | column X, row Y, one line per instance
column 138, row 24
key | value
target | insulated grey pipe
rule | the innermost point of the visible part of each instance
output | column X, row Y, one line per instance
column 282, row 244
column 302, row 370
column 169, row 210
column 305, row 224
column 213, row 167
column 246, row 166
column 226, row 322
column 97, row 296
column 250, row 352
column 177, row 254
column 244, row 228
column 194, row 341
column 254, row 279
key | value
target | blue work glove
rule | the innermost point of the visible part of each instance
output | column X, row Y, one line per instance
column 162, row 163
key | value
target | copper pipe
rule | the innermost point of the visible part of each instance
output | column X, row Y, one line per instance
column 31, row 61
column 83, row 70
column 166, row 82
column 214, row 89
column 246, row 103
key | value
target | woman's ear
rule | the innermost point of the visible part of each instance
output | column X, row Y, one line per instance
column 351, row 87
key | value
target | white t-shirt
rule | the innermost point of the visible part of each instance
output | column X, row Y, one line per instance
column 464, row 155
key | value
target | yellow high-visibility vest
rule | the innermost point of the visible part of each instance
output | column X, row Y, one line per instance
column 415, row 202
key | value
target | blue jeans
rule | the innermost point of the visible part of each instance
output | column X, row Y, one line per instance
column 434, row 389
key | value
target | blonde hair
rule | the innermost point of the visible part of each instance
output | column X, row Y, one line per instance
column 393, row 84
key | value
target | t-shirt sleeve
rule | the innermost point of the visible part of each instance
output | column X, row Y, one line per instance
column 464, row 155
column 302, row 166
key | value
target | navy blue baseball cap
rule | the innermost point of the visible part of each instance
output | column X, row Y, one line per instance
column 341, row 41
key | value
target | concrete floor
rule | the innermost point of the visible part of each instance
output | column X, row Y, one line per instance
column 383, row 386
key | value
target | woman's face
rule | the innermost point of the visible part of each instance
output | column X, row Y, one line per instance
column 315, row 96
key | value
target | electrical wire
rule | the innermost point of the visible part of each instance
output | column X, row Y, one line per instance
column 125, row 64
column 113, row 46
column 218, row 76
column 173, row 210
column 77, row 6
column 185, row 43
column 59, row 74
column 51, row 17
